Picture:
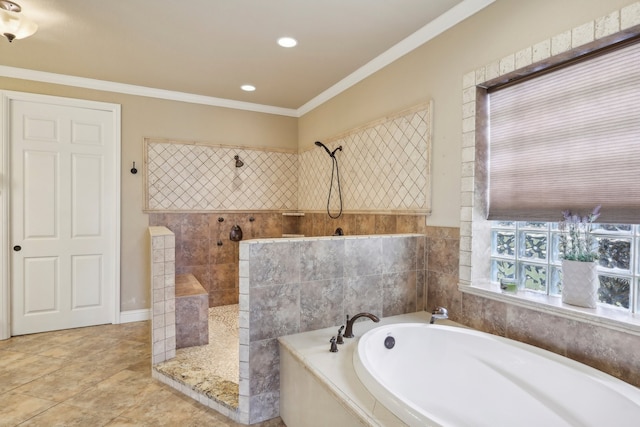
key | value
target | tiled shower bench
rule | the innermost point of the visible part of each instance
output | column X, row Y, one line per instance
column 192, row 312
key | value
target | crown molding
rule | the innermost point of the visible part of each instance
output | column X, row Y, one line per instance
column 453, row 16
column 107, row 86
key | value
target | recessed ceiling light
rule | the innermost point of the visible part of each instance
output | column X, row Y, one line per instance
column 287, row 42
column 248, row 88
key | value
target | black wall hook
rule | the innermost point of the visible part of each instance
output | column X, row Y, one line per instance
column 133, row 169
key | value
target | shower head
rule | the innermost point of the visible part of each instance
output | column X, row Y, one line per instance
column 320, row 144
column 330, row 153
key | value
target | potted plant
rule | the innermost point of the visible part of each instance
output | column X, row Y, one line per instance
column 579, row 252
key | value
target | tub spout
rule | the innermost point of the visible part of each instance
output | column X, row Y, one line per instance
column 348, row 333
column 439, row 313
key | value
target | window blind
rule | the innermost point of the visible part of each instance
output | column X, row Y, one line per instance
column 568, row 139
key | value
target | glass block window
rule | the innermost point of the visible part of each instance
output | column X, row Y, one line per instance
column 527, row 253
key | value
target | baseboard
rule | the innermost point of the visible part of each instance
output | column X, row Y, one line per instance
column 135, row 315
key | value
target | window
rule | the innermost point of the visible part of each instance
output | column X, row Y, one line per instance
column 527, row 252
column 499, row 237
column 568, row 138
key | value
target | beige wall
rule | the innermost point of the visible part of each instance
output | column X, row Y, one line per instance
column 435, row 70
column 148, row 117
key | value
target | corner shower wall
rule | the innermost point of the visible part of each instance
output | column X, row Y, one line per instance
column 296, row 285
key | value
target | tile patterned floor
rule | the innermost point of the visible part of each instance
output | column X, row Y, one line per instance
column 96, row 376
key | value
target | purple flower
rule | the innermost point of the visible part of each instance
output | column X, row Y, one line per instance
column 595, row 214
column 576, row 241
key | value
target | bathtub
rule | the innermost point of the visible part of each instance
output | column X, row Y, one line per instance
column 437, row 375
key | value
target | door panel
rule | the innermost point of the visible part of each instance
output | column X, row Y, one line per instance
column 62, row 183
column 86, row 281
column 41, row 285
column 40, row 178
column 86, row 197
column 40, row 129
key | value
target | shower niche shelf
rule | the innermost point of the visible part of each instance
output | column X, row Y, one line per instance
column 292, row 224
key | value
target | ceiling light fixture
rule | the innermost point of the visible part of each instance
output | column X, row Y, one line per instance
column 248, row 88
column 287, row 42
column 13, row 24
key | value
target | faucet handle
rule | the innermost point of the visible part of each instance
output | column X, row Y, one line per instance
column 339, row 340
column 334, row 347
column 441, row 311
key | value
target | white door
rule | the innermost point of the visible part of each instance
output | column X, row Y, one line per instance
column 62, row 221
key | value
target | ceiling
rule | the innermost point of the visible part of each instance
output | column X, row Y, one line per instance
column 205, row 50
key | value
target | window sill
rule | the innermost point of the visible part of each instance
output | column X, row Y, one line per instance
column 602, row 315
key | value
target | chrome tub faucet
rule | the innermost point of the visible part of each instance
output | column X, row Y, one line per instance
column 439, row 313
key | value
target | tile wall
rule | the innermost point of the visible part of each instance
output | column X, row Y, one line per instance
column 296, row 285
column 614, row 352
column 216, row 266
column 190, row 176
column 163, row 319
column 399, row 145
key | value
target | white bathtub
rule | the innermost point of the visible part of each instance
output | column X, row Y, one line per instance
column 446, row 376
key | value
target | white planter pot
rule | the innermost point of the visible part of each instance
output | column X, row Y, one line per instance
column 580, row 283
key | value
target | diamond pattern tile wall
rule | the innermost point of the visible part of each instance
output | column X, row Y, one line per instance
column 195, row 177
column 384, row 166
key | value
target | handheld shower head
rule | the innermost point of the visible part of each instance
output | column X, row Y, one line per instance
column 330, row 153
column 334, row 168
column 320, row 144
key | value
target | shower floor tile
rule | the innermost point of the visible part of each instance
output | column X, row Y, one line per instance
column 211, row 369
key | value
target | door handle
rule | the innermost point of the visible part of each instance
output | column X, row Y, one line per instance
column 17, row 248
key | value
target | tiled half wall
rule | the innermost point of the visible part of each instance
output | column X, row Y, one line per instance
column 384, row 166
column 296, row 285
column 163, row 290
column 203, row 247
